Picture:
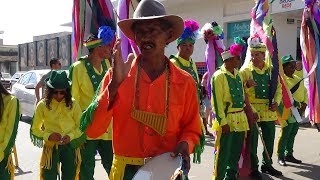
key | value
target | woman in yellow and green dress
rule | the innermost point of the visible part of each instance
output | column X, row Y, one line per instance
column 9, row 120
column 55, row 127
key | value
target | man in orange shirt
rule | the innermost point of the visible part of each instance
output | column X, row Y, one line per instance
column 153, row 103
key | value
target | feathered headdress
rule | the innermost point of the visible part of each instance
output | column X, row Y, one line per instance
column 235, row 49
column 212, row 30
column 105, row 36
column 190, row 33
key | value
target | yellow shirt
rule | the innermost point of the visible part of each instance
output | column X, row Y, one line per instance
column 186, row 63
column 59, row 119
column 234, row 117
column 298, row 73
column 82, row 90
column 301, row 94
column 261, row 105
column 8, row 124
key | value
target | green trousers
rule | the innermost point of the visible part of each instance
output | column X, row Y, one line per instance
column 104, row 147
column 65, row 155
column 268, row 134
column 4, row 171
column 228, row 155
column 286, row 139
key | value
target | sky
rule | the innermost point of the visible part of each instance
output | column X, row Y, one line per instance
column 22, row 19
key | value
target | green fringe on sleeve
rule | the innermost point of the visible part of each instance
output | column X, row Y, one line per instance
column 36, row 140
column 12, row 139
column 198, row 149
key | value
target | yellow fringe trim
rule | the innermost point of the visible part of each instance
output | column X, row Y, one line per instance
column 77, row 161
column 46, row 157
column 10, row 167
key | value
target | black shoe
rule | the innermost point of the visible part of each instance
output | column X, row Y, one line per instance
column 292, row 159
column 282, row 162
column 270, row 170
column 255, row 174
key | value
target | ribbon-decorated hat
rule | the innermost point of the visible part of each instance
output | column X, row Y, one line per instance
column 287, row 58
column 58, row 80
column 104, row 36
column 255, row 44
column 234, row 50
column 190, row 32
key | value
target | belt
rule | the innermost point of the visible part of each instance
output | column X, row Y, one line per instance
column 131, row 160
column 235, row 112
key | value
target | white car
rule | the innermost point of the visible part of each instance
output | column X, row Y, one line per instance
column 24, row 90
column 16, row 77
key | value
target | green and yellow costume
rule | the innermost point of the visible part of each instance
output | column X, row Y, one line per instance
column 8, row 132
column 259, row 99
column 228, row 105
column 85, row 81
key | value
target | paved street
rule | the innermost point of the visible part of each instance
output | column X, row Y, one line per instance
column 307, row 149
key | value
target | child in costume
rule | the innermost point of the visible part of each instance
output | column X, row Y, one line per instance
column 300, row 96
column 55, row 127
column 152, row 103
column 86, row 75
column 231, row 124
column 257, row 85
column 9, row 120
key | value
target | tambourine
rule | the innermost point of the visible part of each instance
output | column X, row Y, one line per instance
column 162, row 167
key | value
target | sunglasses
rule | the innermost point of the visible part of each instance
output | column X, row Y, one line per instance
column 60, row 92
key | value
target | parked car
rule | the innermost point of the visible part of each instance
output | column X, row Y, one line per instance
column 6, row 80
column 24, row 90
column 16, row 77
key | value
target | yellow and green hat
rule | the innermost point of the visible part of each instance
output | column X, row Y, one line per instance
column 287, row 58
column 255, row 44
column 58, row 80
column 106, row 36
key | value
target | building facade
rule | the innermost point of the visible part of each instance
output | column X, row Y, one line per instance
column 234, row 17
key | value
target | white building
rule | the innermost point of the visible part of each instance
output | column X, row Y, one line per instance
column 234, row 17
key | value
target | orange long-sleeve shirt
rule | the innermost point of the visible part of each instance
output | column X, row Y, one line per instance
column 134, row 139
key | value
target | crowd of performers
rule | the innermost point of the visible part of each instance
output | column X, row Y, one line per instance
column 129, row 110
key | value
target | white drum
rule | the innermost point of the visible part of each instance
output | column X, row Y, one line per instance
column 162, row 167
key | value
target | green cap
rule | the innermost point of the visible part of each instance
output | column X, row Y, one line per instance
column 288, row 58
column 58, row 80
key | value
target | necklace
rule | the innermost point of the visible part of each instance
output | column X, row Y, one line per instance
column 158, row 122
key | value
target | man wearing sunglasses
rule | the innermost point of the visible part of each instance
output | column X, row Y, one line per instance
column 55, row 64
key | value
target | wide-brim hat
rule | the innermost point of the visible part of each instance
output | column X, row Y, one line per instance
column 287, row 58
column 151, row 9
column 58, row 80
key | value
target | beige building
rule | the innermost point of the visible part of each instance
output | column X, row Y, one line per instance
column 8, row 57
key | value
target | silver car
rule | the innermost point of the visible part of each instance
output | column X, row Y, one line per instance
column 24, row 90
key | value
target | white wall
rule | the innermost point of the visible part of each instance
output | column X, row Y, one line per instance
column 286, row 34
column 202, row 11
